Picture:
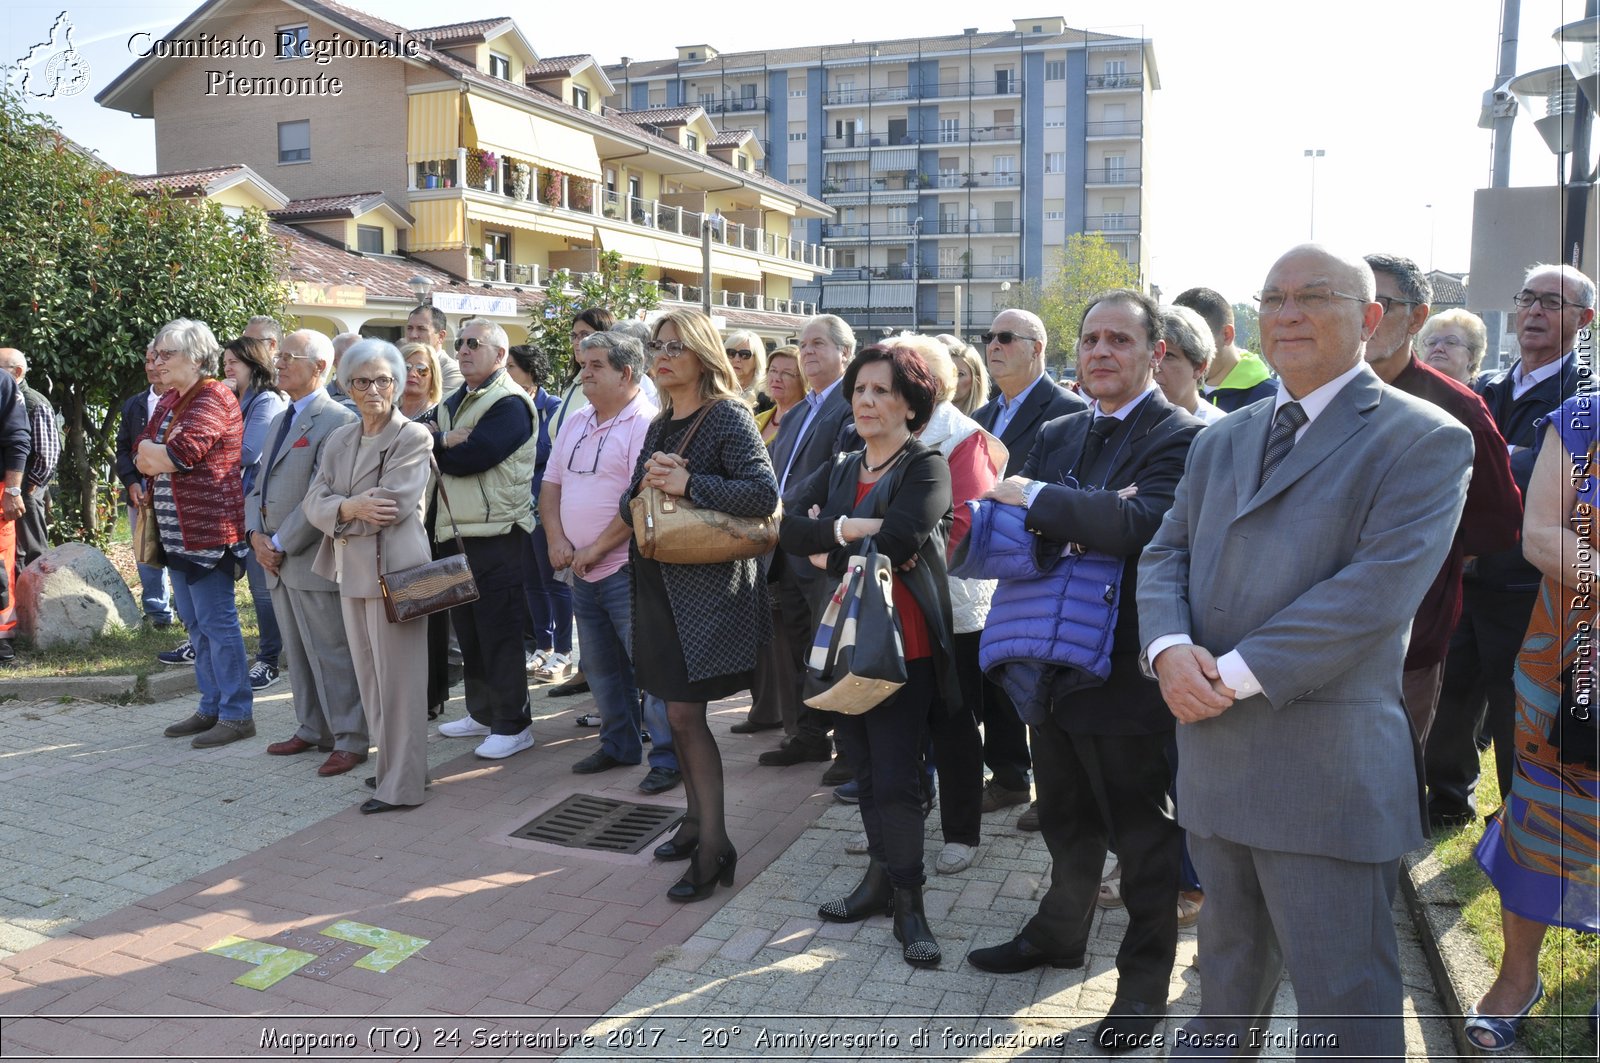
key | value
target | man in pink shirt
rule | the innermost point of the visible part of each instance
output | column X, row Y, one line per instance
column 591, row 465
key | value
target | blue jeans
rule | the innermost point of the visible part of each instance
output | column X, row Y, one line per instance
column 655, row 722
column 604, row 611
column 155, row 595
column 549, row 599
column 270, row 644
column 205, row 604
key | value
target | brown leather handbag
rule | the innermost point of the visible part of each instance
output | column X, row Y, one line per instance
column 432, row 587
column 675, row 531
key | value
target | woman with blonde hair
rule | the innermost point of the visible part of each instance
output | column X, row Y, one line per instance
column 424, row 384
column 747, row 353
column 703, row 624
column 785, row 387
column 1454, row 343
column 972, row 376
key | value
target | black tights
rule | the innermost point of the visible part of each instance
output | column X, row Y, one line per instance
column 701, row 762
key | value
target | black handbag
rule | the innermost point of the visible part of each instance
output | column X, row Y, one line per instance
column 431, row 587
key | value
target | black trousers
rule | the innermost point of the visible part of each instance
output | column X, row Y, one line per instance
column 958, row 748
column 1476, row 695
column 813, row 725
column 1089, row 786
column 1005, row 736
column 490, row 633
column 32, row 538
column 884, row 746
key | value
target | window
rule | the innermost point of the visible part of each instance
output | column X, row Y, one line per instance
column 796, row 135
column 1005, row 169
column 499, row 66
column 691, row 141
column 1055, row 70
column 797, row 88
column 294, row 141
column 1055, row 117
column 1005, row 80
column 1116, row 67
column 496, row 246
column 580, row 98
column 1055, row 215
column 798, row 175
column 292, row 42
column 1055, row 162
column 369, row 239
column 949, row 130
column 1114, row 168
column 744, row 163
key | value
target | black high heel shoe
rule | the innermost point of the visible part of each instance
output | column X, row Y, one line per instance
column 688, row 889
column 678, row 847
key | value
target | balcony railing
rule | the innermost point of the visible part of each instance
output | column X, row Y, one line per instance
column 894, row 181
column 1001, row 271
column 868, row 230
column 531, row 275
column 1112, row 175
column 1115, row 81
column 1112, row 223
column 931, row 91
column 978, row 226
column 923, row 137
column 730, row 104
column 1132, row 127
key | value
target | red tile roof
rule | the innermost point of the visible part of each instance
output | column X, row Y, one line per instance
column 552, row 66
column 346, row 206
column 731, row 138
column 182, row 182
column 460, row 31
column 662, row 115
column 384, row 277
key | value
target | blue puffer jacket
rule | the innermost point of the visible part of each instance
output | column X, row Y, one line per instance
column 1051, row 622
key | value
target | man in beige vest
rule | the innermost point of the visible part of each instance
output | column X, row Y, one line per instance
column 485, row 445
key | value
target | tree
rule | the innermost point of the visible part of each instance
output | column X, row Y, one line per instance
column 1085, row 265
column 1246, row 327
column 93, row 269
column 623, row 290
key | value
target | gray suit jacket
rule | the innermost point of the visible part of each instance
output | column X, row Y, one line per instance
column 274, row 503
column 1314, row 579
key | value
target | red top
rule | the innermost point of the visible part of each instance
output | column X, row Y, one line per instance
column 913, row 625
column 972, row 473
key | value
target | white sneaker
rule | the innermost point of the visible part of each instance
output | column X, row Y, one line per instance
column 856, row 844
column 955, row 857
column 466, row 727
column 498, row 747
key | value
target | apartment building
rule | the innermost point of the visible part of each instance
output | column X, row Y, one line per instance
column 957, row 165
column 458, row 147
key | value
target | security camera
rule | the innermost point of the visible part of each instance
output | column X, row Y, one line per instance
column 1498, row 103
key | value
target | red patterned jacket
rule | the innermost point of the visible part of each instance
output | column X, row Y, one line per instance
column 204, row 444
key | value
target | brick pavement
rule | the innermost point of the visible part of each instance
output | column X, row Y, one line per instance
column 124, row 856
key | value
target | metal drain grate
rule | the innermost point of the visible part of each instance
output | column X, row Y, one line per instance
column 584, row 821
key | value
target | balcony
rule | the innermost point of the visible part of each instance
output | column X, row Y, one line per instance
column 979, row 226
column 894, row 181
column 988, row 271
column 1114, row 81
column 1129, row 128
column 923, row 137
column 734, row 104
column 1112, row 175
column 868, row 230
column 532, row 275
column 853, row 97
column 1111, row 223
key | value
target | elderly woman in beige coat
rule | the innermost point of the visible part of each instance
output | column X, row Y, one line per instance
column 371, row 485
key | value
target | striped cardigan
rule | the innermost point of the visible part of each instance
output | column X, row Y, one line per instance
column 204, row 444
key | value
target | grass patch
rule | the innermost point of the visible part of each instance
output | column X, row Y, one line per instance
column 1569, row 962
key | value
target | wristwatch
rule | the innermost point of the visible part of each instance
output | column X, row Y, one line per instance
column 14, row 491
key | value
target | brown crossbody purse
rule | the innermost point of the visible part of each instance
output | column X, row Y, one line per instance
column 431, row 587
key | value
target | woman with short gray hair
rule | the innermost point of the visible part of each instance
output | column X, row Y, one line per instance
column 1190, row 348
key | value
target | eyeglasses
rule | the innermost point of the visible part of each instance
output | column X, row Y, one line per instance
column 604, row 433
column 1443, row 341
column 471, row 343
column 162, row 356
column 419, row 369
column 1309, row 300
column 1548, row 300
column 744, row 354
column 1389, row 302
column 1005, row 338
column 671, row 348
column 366, row 383
column 285, row 356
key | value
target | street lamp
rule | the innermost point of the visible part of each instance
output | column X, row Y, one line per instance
column 1429, row 207
column 1314, row 154
column 420, row 287
column 1568, row 94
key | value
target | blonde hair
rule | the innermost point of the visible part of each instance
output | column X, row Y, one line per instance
column 966, row 355
column 742, row 337
column 698, row 334
column 1471, row 326
column 936, row 354
column 435, row 386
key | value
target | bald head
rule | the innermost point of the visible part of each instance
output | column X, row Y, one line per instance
column 1317, row 312
column 1017, row 364
column 14, row 362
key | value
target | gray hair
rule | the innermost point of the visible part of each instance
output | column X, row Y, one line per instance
column 836, row 329
column 365, row 353
column 1570, row 275
column 622, row 351
column 1414, row 285
column 491, row 332
column 269, row 325
column 343, row 342
column 1471, row 326
column 632, row 327
column 1190, row 333
column 317, row 346
column 194, row 340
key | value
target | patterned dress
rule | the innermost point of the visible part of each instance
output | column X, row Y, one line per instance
column 1542, row 849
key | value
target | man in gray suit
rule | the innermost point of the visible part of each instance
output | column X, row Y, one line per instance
column 1275, row 605
column 327, row 702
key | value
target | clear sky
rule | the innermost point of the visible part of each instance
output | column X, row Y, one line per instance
column 1390, row 89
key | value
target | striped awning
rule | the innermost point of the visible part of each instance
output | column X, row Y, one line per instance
column 433, row 126
column 894, row 161
column 525, row 135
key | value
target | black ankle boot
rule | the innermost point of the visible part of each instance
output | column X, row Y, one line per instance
column 874, row 896
column 911, row 928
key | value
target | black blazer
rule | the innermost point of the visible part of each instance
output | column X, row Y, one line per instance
column 831, row 433
column 1047, row 401
column 916, row 522
column 135, row 416
column 1148, row 450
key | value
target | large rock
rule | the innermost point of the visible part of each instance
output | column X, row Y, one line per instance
column 71, row 594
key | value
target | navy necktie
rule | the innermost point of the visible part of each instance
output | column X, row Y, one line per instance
column 272, row 455
column 1095, row 442
column 1280, row 441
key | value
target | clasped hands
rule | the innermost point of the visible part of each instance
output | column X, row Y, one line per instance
column 667, row 472
column 1191, row 684
column 268, row 557
column 564, row 555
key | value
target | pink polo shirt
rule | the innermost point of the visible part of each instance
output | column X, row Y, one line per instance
column 593, row 462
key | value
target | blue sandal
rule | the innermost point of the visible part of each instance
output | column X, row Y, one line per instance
column 1496, row 1033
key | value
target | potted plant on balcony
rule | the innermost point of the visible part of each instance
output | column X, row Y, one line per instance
column 580, row 195
column 924, row 181
column 550, row 189
column 488, row 163
column 522, row 180
column 966, row 265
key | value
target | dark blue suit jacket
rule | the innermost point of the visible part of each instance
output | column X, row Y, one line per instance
column 1047, row 401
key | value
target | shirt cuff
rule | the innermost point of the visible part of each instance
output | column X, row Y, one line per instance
column 1237, row 675
column 275, row 545
column 1163, row 643
column 1030, row 491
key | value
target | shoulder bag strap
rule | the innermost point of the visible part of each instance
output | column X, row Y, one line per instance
column 683, row 444
column 438, row 479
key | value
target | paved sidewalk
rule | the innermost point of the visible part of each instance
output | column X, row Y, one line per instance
column 125, row 857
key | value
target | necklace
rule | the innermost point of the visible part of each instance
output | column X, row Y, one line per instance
column 890, row 460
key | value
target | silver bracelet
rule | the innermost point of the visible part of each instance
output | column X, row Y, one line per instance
column 838, row 531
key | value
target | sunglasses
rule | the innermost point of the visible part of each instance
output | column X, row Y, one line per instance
column 471, row 343
column 744, row 354
column 1005, row 338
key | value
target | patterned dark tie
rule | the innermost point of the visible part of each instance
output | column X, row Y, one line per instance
column 1285, row 423
column 1099, row 431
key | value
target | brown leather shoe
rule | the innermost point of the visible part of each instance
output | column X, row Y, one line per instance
column 340, row 761
column 1029, row 820
column 291, row 747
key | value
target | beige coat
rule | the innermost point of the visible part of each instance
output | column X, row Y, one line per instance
column 348, row 469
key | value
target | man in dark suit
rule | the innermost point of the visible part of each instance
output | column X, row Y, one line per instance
column 155, row 593
column 1014, row 348
column 1102, row 479
column 808, row 440
column 1275, row 603
column 1499, row 589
